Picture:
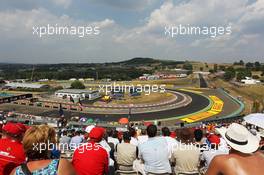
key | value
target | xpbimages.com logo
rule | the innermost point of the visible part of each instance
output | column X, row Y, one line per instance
column 210, row 31
column 64, row 147
column 147, row 89
column 79, row 31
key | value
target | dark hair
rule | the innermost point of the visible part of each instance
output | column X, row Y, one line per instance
column 132, row 132
column 115, row 134
column 109, row 132
column 165, row 131
column 185, row 135
column 78, row 132
column 198, row 135
column 126, row 136
column 64, row 132
column 152, row 130
column 143, row 132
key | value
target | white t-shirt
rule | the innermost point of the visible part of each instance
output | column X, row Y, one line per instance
column 115, row 141
column 171, row 143
column 134, row 141
column 208, row 155
column 142, row 139
column 105, row 145
column 154, row 153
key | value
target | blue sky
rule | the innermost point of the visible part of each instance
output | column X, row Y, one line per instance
column 130, row 28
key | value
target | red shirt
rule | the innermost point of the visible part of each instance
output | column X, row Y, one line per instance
column 90, row 159
column 11, row 155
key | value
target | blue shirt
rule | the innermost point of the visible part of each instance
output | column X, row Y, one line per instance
column 155, row 154
column 76, row 141
column 51, row 169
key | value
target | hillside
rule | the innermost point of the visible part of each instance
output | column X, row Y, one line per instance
column 149, row 61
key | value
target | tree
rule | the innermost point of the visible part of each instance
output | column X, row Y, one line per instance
column 241, row 62
column 77, row 85
column 211, row 71
column 255, row 77
column 257, row 66
column 187, row 65
column 215, row 67
column 262, row 70
column 249, row 65
column 242, row 73
column 230, row 73
column 222, row 67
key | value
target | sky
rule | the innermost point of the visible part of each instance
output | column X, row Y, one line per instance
column 130, row 28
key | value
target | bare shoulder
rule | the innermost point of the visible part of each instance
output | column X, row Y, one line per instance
column 220, row 158
column 217, row 165
column 64, row 161
column 227, row 160
column 13, row 171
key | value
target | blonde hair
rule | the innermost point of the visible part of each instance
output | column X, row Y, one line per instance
column 35, row 138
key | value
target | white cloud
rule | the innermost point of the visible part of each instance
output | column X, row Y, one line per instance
column 238, row 13
column 117, row 42
column 63, row 3
column 17, row 25
column 137, row 5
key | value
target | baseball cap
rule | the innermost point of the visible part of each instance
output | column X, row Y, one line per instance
column 97, row 133
column 14, row 128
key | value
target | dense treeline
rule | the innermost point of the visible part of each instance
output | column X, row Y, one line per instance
column 245, row 70
column 124, row 70
column 73, row 72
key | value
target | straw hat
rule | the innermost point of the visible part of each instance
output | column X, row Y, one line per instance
column 239, row 138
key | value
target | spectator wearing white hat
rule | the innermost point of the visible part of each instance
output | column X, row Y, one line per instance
column 243, row 153
column 87, row 131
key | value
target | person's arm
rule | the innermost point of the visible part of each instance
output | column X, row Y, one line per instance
column 214, row 167
column 106, row 164
column 65, row 168
column 13, row 172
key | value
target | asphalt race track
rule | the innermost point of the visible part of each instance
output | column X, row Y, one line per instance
column 198, row 103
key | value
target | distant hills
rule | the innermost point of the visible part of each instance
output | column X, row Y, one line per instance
column 149, row 61
column 131, row 62
column 138, row 61
column 122, row 70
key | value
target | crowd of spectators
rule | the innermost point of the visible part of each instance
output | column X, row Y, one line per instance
column 226, row 148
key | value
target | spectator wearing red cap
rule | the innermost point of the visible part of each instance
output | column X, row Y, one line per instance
column 91, row 158
column 11, row 149
column 212, row 151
